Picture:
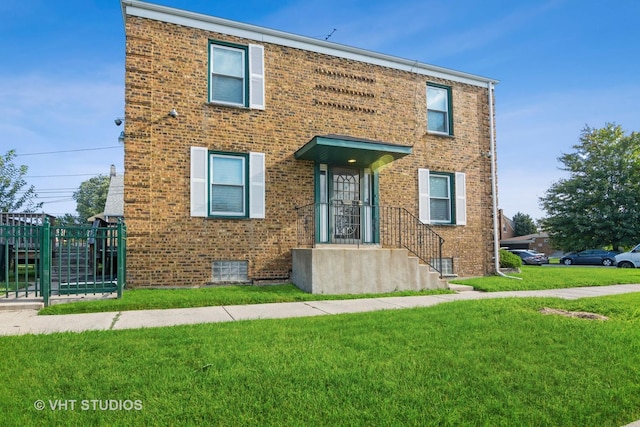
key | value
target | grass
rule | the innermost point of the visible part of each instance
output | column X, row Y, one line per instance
column 488, row 362
column 17, row 277
column 536, row 277
column 145, row 299
column 533, row 277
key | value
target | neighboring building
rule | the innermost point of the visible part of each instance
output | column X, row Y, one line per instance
column 539, row 242
column 252, row 154
column 114, row 204
column 507, row 226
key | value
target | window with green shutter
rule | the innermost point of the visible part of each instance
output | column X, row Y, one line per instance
column 236, row 75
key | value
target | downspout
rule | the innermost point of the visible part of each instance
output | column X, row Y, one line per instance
column 494, row 191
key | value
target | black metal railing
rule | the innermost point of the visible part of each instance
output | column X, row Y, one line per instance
column 354, row 223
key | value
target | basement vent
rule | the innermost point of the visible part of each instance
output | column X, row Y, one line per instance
column 230, row 271
column 447, row 265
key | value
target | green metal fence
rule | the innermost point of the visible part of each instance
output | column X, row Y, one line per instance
column 39, row 259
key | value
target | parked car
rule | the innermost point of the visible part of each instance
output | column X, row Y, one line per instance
column 590, row 257
column 530, row 257
column 629, row 259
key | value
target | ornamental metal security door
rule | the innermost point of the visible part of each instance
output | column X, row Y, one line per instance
column 344, row 212
column 345, row 203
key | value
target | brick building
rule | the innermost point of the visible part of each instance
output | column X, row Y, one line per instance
column 249, row 151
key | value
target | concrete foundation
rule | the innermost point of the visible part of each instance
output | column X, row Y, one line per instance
column 347, row 270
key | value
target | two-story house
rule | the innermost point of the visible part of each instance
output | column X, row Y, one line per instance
column 253, row 154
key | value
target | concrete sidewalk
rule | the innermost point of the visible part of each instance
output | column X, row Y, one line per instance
column 28, row 322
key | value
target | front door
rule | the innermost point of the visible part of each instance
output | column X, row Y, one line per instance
column 345, row 205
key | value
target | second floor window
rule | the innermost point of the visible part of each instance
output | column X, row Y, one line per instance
column 439, row 109
column 228, row 75
column 236, row 75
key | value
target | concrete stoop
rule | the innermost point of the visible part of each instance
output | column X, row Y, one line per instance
column 334, row 269
column 425, row 276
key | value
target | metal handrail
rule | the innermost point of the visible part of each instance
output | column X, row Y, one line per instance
column 356, row 223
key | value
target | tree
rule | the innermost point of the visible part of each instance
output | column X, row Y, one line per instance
column 91, row 196
column 598, row 205
column 523, row 224
column 13, row 195
column 68, row 220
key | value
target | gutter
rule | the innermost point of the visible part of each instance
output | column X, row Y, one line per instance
column 494, row 190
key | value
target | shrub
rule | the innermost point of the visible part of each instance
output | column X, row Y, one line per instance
column 509, row 260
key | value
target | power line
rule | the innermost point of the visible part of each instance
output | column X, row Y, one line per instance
column 54, row 197
column 69, row 151
column 58, row 176
column 57, row 201
column 48, row 190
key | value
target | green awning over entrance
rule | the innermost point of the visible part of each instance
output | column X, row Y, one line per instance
column 344, row 150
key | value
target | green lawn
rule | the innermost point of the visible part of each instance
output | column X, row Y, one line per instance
column 486, row 362
column 17, row 277
column 552, row 277
column 533, row 277
column 145, row 299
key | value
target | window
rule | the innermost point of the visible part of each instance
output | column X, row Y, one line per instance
column 227, row 75
column 227, row 181
column 439, row 109
column 442, row 197
column 227, row 185
column 446, row 263
column 236, row 75
column 230, row 271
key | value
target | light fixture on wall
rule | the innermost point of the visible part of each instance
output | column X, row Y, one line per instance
column 118, row 121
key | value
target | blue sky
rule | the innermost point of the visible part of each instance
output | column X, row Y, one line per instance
column 562, row 64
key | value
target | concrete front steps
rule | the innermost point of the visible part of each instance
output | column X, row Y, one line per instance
column 460, row 288
column 341, row 269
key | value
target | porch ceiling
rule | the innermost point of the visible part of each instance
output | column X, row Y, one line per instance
column 344, row 150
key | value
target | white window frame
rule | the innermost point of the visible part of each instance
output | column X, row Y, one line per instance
column 457, row 197
column 447, row 111
column 243, row 184
column 254, row 185
column 253, row 79
column 447, row 198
